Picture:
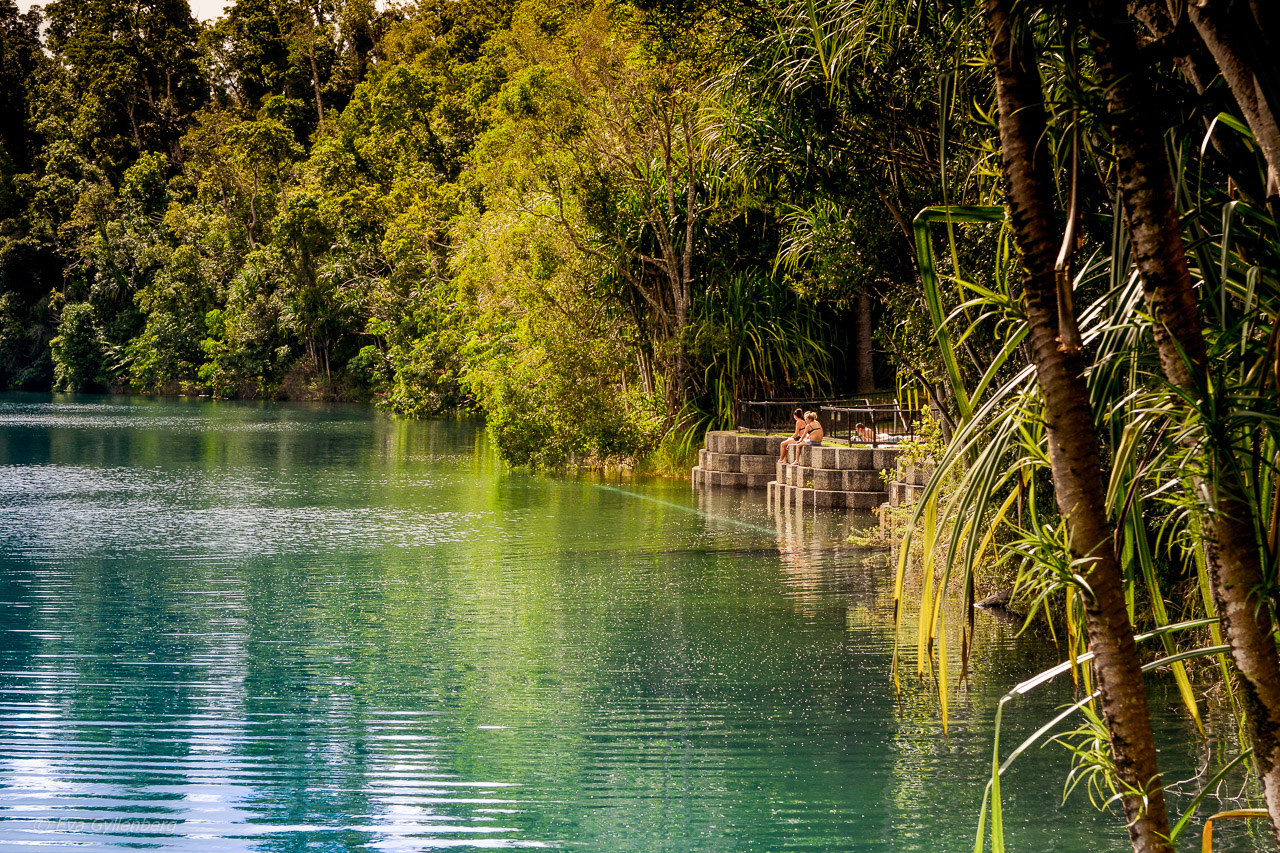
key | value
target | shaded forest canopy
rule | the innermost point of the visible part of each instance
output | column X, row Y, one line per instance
column 599, row 224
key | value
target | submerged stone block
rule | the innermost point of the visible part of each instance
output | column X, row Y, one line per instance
column 836, row 499
column 826, row 498
column 819, row 499
column 863, row 500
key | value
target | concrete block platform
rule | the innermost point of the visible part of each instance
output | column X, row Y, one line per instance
column 847, row 481
column 828, row 476
column 707, row 479
column 734, row 461
column 832, row 476
column 713, row 461
column 837, row 458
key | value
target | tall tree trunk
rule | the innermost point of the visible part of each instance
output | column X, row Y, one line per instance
column 865, row 379
column 1073, row 441
column 1231, row 548
column 315, row 81
column 1197, row 65
column 312, row 19
column 1224, row 28
column 133, row 124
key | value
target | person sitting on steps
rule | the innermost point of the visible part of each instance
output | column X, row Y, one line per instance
column 812, row 430
column 798, row 414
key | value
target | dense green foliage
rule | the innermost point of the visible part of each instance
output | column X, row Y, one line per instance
column 1118, row 451
column 602, row 224
column 599, row 224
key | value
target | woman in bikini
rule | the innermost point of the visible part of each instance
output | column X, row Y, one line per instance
column 812, row 430
column 798, row 414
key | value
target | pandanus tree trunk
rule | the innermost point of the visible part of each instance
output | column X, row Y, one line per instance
column 1197, row 65
column 1073, row 440
column 1226, row 28
column 865, row 378
column 1232, row 552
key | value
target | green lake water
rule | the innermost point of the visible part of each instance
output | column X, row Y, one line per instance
column 283, row 627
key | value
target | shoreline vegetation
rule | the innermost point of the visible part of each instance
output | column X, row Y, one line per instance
column 602, row 225
column 536, row 211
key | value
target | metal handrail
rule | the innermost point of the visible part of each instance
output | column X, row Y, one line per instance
column 775, row 415
column 839, row 417
column 892, row 421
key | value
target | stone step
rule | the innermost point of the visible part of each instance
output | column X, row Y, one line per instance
column 845, row 481
column 759, row 445
column 837, row 458
column 840, row 458
column 722, row 441
column 798, row 454
column 886, row 457
column 829, row 480
column 727, row 441
column 737, row 462
column 759, row 464
column 722, row 462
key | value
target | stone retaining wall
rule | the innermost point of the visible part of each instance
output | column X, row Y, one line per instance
column 736, row 461
column 832, row 476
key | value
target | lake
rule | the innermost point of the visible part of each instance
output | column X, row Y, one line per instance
column 240, row 626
